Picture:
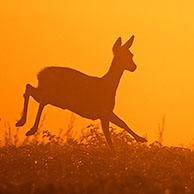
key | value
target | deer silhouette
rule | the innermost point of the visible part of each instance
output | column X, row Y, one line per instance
column 88, row 96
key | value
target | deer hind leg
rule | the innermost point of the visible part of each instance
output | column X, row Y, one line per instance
column 26, row 95
column 117, row 121
column 35, row 126
column 36, row 94
column 105, row 128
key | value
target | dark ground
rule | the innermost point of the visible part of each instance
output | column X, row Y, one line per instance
column 88, row 167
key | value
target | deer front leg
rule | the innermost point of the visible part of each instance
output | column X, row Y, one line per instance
column 35, row 127
column 105, row 128
column 117, row 121
column 22, row 121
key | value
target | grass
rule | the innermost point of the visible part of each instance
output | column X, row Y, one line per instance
column 57, row 164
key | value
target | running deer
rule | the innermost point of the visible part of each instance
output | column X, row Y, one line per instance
column 88, row 96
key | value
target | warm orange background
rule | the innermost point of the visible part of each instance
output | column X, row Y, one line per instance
column 80, row 34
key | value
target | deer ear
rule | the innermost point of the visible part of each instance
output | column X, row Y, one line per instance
column 129, row 42
column 117, row 46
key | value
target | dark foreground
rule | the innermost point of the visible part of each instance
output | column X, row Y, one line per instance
column 88, row 167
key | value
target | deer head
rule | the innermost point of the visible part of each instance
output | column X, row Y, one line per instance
column 122, row 54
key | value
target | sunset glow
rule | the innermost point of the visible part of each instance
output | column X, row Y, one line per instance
column 80, row 35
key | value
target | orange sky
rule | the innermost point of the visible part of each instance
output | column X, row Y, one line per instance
column 80, row 34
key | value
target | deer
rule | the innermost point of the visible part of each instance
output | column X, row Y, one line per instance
column 88, row 96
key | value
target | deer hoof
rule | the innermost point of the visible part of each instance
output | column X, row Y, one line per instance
column 141, row 139
column 20, row 123
column 30, row 132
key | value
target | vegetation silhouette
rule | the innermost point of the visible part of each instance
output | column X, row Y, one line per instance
column 88, row 96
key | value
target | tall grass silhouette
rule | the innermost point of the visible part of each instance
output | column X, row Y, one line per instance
column 58, row 164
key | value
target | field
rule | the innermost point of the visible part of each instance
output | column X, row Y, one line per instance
column 56, row 165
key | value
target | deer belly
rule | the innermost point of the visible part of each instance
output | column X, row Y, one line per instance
column 87, row 109
column 83, row 104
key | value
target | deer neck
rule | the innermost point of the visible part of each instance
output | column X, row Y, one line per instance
column 113, row 76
